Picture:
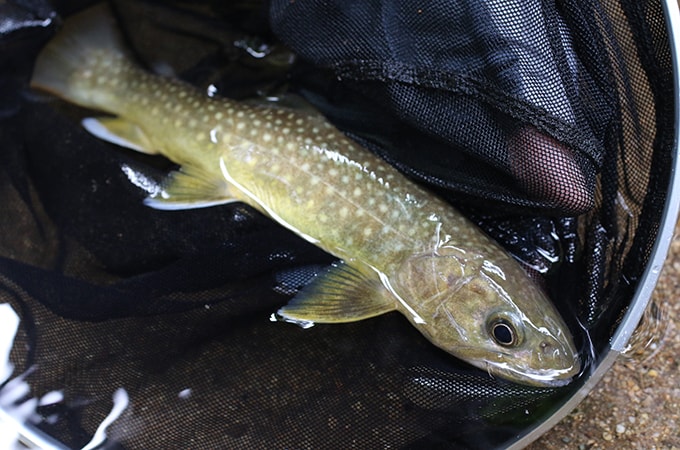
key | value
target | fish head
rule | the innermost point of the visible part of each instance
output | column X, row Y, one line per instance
column 489, row 314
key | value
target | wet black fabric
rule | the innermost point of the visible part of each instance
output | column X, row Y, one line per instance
column 556, row 138
column 490, row 99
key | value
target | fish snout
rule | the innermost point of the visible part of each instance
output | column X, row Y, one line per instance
column 549, row 350
column 558, row 356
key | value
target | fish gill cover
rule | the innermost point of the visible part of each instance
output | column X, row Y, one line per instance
column 554, row 138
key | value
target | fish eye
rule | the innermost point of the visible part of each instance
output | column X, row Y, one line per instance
column 503, row 332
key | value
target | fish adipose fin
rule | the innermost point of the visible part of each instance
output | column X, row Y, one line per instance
column 345, row 293
column 120, row 132
column 190, row 188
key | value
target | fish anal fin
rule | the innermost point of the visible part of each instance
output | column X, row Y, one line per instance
column 190, row 188
column 121, row 132
column 344, row 293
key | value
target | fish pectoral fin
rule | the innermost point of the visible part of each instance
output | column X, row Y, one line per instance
column 190, row 188
column 120, row 132
column 345, row 293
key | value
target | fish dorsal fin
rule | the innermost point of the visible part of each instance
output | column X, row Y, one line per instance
column 190, row 188
column 344, row 293
column 120, row 132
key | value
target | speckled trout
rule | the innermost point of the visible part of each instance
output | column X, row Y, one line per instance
column 399, row 247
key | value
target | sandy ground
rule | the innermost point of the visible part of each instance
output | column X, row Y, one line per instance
column 637, row 403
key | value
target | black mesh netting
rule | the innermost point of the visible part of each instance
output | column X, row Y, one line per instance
column 550, row 124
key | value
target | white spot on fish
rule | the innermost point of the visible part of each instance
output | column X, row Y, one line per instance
column 215, row 135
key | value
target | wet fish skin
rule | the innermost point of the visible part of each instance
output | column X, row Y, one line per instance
column 401, row 247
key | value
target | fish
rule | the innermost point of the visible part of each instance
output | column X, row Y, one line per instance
column 398, row 246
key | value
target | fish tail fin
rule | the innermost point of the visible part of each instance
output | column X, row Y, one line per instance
column 71, row 65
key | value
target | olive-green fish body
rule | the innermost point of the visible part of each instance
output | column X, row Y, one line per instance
column 401, row 248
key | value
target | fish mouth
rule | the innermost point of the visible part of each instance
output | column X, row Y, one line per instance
column 546, row 378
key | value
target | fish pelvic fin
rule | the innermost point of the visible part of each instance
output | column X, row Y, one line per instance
column 67, row 65
column 344, row 293
column 120, row 132
column 190, row 188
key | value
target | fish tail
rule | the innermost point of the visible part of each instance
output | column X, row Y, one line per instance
column 85, row 51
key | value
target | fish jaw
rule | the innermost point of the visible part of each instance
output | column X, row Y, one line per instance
column 545, row 378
